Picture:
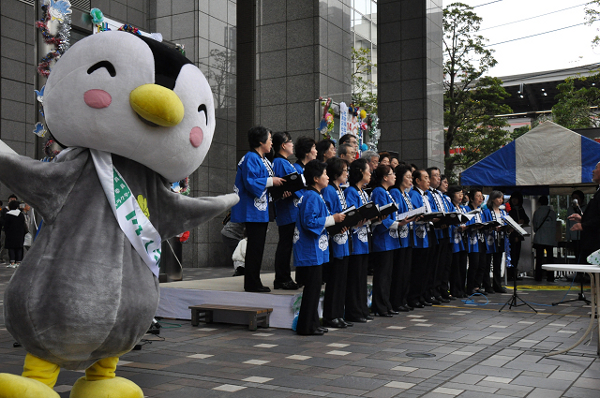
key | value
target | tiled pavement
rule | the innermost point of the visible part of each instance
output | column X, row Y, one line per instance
column 464, row 350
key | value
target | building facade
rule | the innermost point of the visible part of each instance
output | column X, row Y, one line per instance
column 268, row 62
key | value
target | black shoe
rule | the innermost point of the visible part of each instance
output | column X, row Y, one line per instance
column 501, row 290
column 239, row 271
column 479, row 291
column 416, row 304
column 489, row 291
column 393, row 312
column 426, row 303
column 356, row 320
column 383, row 314
column 334, row 323
column 434, row 300
column 322, row 329
column 289, row 285
column 410, row 307
column 348, row 324
column 314, row 333
column 400, row 309
column 263, row 289
column 442, row 299
column 369, row 317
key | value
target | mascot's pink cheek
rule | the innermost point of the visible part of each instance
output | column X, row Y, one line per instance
column 97, row 99
column 196, row 137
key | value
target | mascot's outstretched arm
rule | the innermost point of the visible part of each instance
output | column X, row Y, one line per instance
column 45, row 186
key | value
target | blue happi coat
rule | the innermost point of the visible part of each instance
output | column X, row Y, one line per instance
column 404, row 204
column 311, row 246
column 421, row 240
column 360, row 236
column 444, row 206
column 456, row 237
column 384, row 238
column 336, row 202
column 493, row 238
column 476, row 235
column 251, row 186
column 286, row 209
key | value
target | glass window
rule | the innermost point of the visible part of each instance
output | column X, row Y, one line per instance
column 363, row 6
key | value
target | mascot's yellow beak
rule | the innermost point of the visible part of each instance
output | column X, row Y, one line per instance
column 157, row 104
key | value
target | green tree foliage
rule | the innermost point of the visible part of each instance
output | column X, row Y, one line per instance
column 519, row 131
column 592, row 14
column 577, row 108
column 470, row 99
column 364, row 90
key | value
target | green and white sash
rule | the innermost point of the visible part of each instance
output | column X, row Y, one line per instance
column 137, row 227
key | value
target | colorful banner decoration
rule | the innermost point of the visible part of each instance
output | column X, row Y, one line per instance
column 54, row 11
column 343, row 118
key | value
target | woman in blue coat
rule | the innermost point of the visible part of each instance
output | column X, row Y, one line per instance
column 357, row 309
column 476, row 247
column 311, row 246
column 286, row 213
column 336, row 271
column 254, row 176
column 495, row 241
column 385, row 241
column 403, row 256
column 458, row 268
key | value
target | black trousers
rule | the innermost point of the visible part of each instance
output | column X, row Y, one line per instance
column 477, row 262
column 540, row 260
column 336, row 272
column 257, row 233
column 230, row 245
column 418, row 274
column 458, row 273
column 494, row 261
column 283, row 254
column 433, row 257
column 308, row 318
column 442, row 271
column 382, row 280
column 401, row 276
column 356, row 287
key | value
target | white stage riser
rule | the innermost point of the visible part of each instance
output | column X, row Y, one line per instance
column 174, row 303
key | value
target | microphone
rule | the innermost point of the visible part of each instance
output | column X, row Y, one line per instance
column 576, row 207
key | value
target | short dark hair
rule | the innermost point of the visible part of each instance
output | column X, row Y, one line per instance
column 303, row 147
column 313, row 169
column 357, row 169
column 14, row 205
column 343, row 149
column 380, row 172
column 385, row 154
column 474, row 191
column 543, row 200
column 279, row 139
column 322, row 147
column 443, row 177
column 575, row 192
column 335, row 168
column 453, row 190
column 257, row 136
column 13, row 196
column 346, row 137
column 519, row 197
column 401, row 169
column 430, row 169
column 418, row 174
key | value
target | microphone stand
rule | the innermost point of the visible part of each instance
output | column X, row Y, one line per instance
column 514, row 300
column 580, row 296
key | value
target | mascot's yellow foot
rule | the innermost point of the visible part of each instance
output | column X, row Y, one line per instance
column 13, row 386
column 116, row 387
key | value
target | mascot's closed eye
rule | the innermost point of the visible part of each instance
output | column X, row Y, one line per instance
column 103, row 64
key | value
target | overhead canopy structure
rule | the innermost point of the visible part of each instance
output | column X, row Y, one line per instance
column 548, row 155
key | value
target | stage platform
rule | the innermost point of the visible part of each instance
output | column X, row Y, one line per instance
column 176, row 297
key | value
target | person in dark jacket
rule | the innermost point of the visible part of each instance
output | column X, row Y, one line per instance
column 589, row 223
column 14, row 227
column 517, row 213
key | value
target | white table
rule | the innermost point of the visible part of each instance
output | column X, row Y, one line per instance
column 594, row 272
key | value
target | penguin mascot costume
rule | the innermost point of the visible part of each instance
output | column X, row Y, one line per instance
column 134, row 115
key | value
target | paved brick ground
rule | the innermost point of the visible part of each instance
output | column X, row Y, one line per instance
column 460, row 349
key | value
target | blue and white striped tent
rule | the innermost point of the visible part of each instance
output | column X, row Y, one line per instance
column 547, row 155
